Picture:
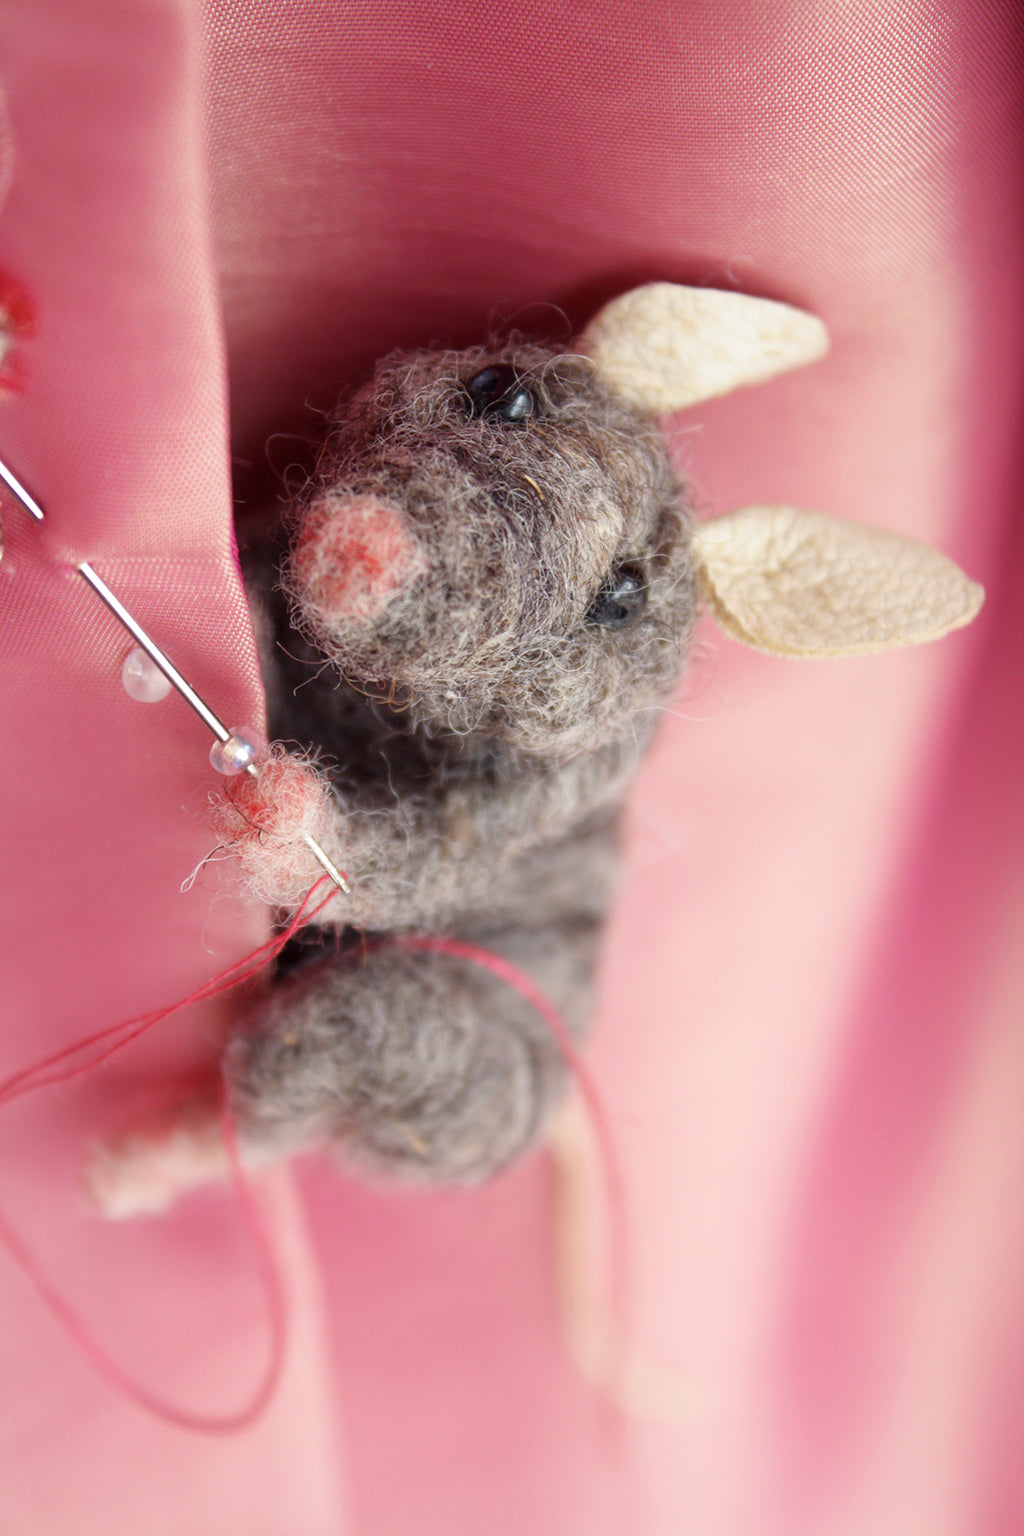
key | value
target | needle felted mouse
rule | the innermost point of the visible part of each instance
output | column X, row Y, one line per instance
column 468, row 624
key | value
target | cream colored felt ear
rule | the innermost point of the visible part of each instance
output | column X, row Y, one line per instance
column 664, row 346
column 801, row 584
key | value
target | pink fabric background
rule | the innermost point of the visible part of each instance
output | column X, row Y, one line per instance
column 811, row 1040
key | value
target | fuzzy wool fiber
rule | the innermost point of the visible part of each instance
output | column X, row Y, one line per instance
column 429, row 633
column 263, row 818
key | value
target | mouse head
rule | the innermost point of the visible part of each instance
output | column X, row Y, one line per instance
column 500, row 534
column 497, row 536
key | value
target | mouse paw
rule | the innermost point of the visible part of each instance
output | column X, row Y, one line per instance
column 266, row 818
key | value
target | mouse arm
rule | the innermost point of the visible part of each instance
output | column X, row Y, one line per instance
column 791, row 583
column 419, row 859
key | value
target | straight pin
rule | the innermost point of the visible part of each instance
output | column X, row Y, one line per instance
column 191, row 697
column 14, row 484
column 161, row 660
column 154, row 652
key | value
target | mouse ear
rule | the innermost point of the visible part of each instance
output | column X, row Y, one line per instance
column 665, row 347
column 801, row 584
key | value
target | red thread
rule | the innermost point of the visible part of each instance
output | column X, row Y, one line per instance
column 17, row 320
column 528, row 989
column 50, row 1070
column 17, row 307
column 40, row 1075
column 86, row 1341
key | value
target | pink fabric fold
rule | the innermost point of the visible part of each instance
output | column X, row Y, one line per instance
column 121, row 433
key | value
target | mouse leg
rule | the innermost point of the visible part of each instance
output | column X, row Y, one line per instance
column 421, row 1065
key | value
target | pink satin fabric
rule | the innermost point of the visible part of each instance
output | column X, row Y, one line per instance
column 810, row 1037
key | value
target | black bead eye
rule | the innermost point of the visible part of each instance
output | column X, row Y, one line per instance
column 498, row 393
column 621, row 600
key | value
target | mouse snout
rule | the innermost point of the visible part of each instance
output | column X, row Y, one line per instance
column 352, row 557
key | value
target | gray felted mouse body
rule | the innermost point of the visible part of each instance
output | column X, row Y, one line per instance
column 469, row 623
column 495, row 561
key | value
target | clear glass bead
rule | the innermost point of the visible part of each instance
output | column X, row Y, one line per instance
column 234, row 755
column 143, row 679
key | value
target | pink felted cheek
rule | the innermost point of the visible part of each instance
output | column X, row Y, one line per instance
column 353, row 557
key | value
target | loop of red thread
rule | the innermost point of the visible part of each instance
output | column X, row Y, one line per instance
column 86, row 1341
column 528, row 989
column 48, row 1071
column 43, row 1073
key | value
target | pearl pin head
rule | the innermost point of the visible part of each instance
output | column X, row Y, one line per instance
column 235, row 755
column 142, row 678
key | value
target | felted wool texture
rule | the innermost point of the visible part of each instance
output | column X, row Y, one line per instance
column 479, row 736
column 421, row 1066
column 264, row 819
column 518, row 525
column 354, row 556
